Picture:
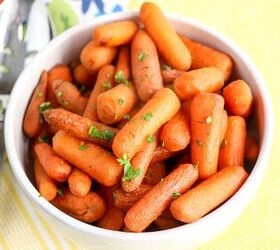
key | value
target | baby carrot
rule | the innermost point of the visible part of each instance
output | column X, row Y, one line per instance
column 31, row 122
column 90, row 158
column 251, row 149
column 69, row 97
column 124, row 200
column 155, row 173
column 128, row 116
column 113, row 219
column 169, row 75
column 59, row 72
column 54, row 166
column 162, row 153
column 164, row 223
column 175, row 134
column 89, row 208
column 123, row 71
column 190, row 83
column 140, row 162
column 81, row 127
column 238, row 98
column 105, row 81
column 107, row 193
column 204, row 56
column 94, row 57
column 223, row 128
column 212, row 192
column 46, row 186
column 113, row 104
column 233, row 148
column 145, row 66
column 81, row 75
column 153, row 203
column 157, row 111
column 115, row 34
column 165, row 37
column 79, row 182
column 206, row 116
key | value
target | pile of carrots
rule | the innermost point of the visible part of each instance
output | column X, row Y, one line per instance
column 146, row 131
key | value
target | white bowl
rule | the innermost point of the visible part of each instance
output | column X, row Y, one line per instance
column 67, row 47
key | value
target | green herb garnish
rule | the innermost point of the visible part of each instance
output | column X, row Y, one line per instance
column 129, row 172
column 127, row 117
column 150, row 139
column 44, row 106
column 40, row 94
column 121, row 101
column 83, row 147
column 141, row 56
column 44, row 139
column 119, row 76
column 60, row 192
column 114, row 196
column 104, row 135
column 106, row 85
column 148, row 116
column 175, row 195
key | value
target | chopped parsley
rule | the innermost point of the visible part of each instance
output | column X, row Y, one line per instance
column 44, row 139
column 129, row 171
column 114, row 196
column 119, row 77
column 141, row 56
column 106, row 85
column 150, row 139
column 175, row 195
column 127, row 117
column 83, row 147
column 104, row 135
column 60, row 192
column 199, row 143
column 44, row 106
column 148, row 116
column 121, row 101
column 208, row 119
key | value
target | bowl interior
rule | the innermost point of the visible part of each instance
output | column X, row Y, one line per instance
column 66, row 48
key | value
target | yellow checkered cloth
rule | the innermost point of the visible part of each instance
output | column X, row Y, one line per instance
column 255, row 26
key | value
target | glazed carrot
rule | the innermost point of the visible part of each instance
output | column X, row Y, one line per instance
column 104, row 81
column 94, row 57
column 153, row 203
column 90, row 158
column 89, row 208
column 54, row 166
column 190, row 83
column 145, row 66
column 123, row 70
column 125, row 200
column 223, row 127
column 79, row 182
column 140, row 162
column 238, row 98
column 162, row 153
column 204, row 56
column 157, row 111
column 251, row 149
column 175, row 134
column 80, row 127
column 164, row 223
column 46, row 186
column 81, row 75
column 169, row 75
column 31, row 122
column 107, row 193
column 59, row 72
column 206, row 116
column 233, row 148
column 155, row 173
column 69, row 97
column 165, row 37
column 212, row 192
column 113, row 104
column 113, row 219
column 125, row 229
column 115, row 34
column 128, row 116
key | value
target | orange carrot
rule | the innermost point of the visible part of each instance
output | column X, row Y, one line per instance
column 145, row 66
column 164, row 223
column 79, row 182
column 223, row 127
column 153, row 203
column 69, row 97
column 162, row 153
column 165, row 37
column 212, row 192
column 238, row 98
column 115, row 34
column 59, row 72
column 203, row 56
column 128, row 116
column 123, row 71
column 113, row 219
column 54, row 166
column 233, row 148
column 81, row 127
column 105, row 81
column 175, row 134
column 89, row 208
column 81, row 75
column 251, row 149
column 190, row 83
column 31, row 122
column 155, row 173
column 125, row 200
column 140, row 162
column 107, row 193
column 46, row 186
column 113, row 104
column 90, row 158
column 131, row 138
column 206, row 116
column 169, row 75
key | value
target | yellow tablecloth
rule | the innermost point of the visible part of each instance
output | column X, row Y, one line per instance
column 255, row 26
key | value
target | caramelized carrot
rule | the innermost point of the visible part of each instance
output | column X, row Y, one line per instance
column 251, row 149
column 79, row 182
column 113, row 219
column 164, row 223
column 162, row 153
column 155, row 173
column 169, row 75
column 81, row 75
column 223, row 127
column 123, row 71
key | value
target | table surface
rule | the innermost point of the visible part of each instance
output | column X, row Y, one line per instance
column 255, row 26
